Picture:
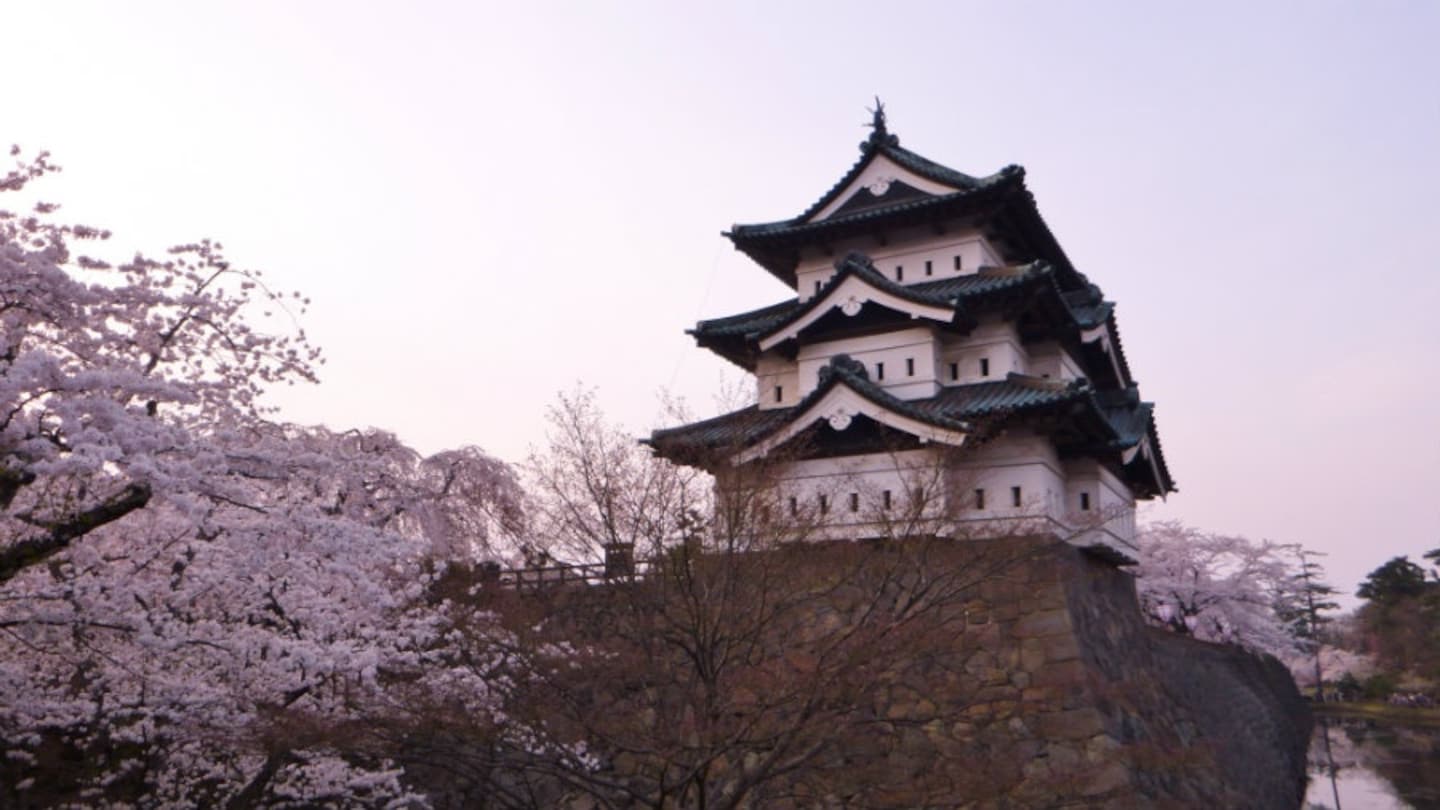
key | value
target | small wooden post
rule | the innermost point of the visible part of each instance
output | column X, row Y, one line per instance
column 619, row 560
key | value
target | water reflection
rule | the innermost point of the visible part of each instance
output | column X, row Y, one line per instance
column 1378, row 765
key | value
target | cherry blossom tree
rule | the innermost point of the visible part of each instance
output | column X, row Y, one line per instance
column 199, row 606
column 1218, row 587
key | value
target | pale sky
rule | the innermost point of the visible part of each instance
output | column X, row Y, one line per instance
column 492, row 202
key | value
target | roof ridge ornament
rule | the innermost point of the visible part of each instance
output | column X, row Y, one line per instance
column 879, row 133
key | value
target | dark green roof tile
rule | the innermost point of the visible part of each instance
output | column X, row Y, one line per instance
column 954, row 407
column 888, row 145
column 945, row 292
column 1118, row 420
column 789, row 229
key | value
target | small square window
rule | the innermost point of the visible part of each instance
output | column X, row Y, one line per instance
column 958, row 263
column 779, row 393
column 899, row 272
column 979, row 499
column 824, row 504
column 1015, row 496
column 885, row 499
column 929, row 268
column 909, row 367
column 879, row 371
column 954, row 371
column 1085, row 502
column 984, row 367
column 854, row 502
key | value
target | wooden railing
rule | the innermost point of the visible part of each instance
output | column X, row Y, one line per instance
column 619, row 566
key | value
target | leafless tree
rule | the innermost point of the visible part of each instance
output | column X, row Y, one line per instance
column 751, row 660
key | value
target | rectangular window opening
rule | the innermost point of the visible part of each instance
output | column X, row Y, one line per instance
column 1015, row 496
column 954, row 371
column 817, row 286
column 929, row 268
column 918, row 496
column 979, row 499
column 958, row 263
column 885, row 499
column 794, row 506
column 909, row 367
column 879, row 371
column 779, row 393
column 1085, row 502
column 824, row 504
column 899, row 272
column 984, row 367
column 854, row 502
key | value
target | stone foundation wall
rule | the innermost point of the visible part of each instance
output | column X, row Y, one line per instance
column 1030, row 682
column 1072, row 701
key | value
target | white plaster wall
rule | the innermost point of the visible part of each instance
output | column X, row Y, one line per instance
column 771, row 370
column 1016, row 459
column 891, row 348
column 1049, row 490
column 868, row 477
column 1026, row 461
column 1049, row 359
column 1082, row 477
column 1118, row 502
column 1111, row 516
column 911, row 254
column 992, row 339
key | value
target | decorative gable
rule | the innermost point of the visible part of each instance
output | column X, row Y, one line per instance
column 880, row 183
column 856, row 285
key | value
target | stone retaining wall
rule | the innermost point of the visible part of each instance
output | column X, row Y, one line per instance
column 1036, row 685
column 1074, row 702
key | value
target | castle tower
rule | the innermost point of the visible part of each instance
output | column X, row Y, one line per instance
column 936, row 321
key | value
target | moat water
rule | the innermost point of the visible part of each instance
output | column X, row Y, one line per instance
column 1377, row 765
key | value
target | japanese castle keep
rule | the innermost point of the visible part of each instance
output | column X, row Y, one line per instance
column 936, row 324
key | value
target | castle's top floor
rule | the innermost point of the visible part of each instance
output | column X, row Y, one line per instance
column 913, row 217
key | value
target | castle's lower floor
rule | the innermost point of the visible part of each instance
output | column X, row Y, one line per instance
column 1013, row 485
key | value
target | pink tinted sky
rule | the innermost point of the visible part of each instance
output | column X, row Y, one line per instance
column 490, row 202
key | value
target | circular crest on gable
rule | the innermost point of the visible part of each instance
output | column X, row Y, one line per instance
column 880, row 186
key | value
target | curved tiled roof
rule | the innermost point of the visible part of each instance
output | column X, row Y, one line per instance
column 1118, row 419
column 788, row 230
column 944, row 292
column 747, row 323
column 882, row 143
column 1001, row 197
column 954, row 407
column 735, row 337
